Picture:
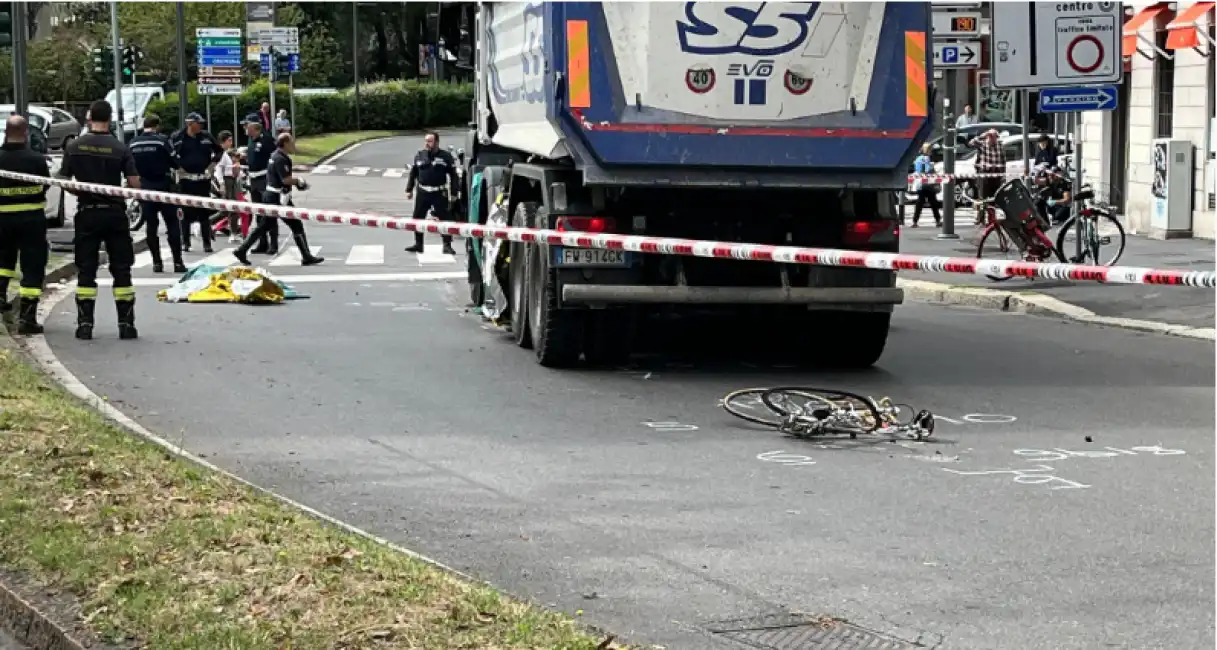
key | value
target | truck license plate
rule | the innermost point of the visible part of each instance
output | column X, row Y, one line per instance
column 589, row 257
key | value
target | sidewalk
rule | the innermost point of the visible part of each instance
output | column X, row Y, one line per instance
column 1175, row 305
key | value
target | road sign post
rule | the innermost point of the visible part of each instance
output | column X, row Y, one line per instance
column 1055, row 44
column 285, row 40
column 220, row 55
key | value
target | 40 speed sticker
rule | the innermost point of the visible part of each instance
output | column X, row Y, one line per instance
column 700, row 79
column 796, row 82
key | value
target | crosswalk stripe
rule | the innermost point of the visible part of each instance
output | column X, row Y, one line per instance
column 366, row 254
column 220, row 258
column 395, row 173
column 429, row 258
column 291, row 256
column 144, row 259
column 357, row 171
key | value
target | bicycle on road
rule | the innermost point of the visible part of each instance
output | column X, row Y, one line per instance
column 815, row 412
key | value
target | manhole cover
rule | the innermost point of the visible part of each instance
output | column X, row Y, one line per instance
column 806, row 633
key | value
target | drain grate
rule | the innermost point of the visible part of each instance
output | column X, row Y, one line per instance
column 805, row 633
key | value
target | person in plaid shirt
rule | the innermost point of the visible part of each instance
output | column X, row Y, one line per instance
column 990, row 165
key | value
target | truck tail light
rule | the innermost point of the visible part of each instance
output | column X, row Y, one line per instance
column 863, row 233
column 586, row 224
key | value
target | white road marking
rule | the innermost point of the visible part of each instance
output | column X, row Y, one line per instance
column 366, row 254
column 144, row 259
column 357, row 171
column 431, row 257
column 290, row 255
column 395, row 173
column 346, row 151
column 421, row 276
column 220, row 258
column 323, row 169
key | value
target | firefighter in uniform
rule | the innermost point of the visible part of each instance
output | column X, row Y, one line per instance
column 22, row 224
column 197, row 153
column 435, row 172
column 279, row 184
column 257, row 155
column 99, row 157
column 155, row 160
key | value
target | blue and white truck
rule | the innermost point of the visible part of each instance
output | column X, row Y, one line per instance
column 788, row 123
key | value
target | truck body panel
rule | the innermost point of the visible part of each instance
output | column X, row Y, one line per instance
column 821, row 89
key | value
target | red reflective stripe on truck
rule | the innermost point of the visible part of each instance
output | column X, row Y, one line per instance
column 578, row 65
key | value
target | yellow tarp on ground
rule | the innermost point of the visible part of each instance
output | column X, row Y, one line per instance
column 240, row 284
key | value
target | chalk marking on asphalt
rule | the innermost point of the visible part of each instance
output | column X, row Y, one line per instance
column 418, row 276
column 39, row 350
column 366, row 254
column 291, row 256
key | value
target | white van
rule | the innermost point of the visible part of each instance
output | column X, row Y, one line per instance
column 135, row 104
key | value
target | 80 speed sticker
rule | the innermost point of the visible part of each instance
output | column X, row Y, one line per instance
column 700, row 79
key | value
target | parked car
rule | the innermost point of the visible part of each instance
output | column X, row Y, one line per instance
column 64, row 127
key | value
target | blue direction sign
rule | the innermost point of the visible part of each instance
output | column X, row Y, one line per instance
column 1072, row 100
column 293, row 63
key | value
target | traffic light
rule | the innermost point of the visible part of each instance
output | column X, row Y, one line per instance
column 6, row 24
column 132, row 56
column 103, row 60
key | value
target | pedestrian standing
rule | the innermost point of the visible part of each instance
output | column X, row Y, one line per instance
column 257, row 158
column 99, row 157
column 197, row 153
column 155, row 161
column 966, row 118
column 927, row 189
column 279, row 184
column 990, row 166
column 265, row 118
column 282, row 124
column 434, row 170
column 226, row 174
column 22, row 224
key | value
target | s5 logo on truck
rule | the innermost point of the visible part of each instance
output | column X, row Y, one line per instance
column 752, row 28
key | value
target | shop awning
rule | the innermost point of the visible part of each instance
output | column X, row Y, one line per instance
column 1182, row 32
column 1137, row 22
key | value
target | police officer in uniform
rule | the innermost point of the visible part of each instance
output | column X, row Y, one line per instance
column 99, row 157
column 197, row 153
column 279, row 184
column 155, row 160
column 258, row 153
column 22, row 224
column 434, row 171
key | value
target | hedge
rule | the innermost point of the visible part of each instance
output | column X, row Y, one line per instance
column 387, row 105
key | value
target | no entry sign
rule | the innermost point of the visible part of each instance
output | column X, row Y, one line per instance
column 1056, row 44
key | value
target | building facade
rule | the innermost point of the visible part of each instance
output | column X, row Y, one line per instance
column 1168, row 92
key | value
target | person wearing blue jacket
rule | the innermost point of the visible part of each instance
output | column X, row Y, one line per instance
column 926, row 189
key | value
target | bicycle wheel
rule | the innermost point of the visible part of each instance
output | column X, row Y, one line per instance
column 741, row 403
column 1001, row 245
column 868, row 416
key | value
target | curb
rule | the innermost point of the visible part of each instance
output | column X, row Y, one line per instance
column 1041, row 305
column 31, row 626
column 307, row 167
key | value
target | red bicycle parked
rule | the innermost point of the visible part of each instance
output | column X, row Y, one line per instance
column 1020, row 233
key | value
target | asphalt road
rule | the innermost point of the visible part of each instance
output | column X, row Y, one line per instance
column 395, row 152
column 631, row 496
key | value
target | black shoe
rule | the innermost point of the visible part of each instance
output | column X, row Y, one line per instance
column 185, row 249
column 416, row 248
column 242, row 257
column 448, row 250
column 126, row 319
column 157, row 267
column 208, row 249
column 259, row 250
column 84, row 319
column 179, row 266
column 306, row 254
column 27, row 317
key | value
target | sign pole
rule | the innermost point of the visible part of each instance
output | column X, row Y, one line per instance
column 207, row 99
column 1074, row 205
column 291, row 98
column 236, row 132
column 1026, row 101
column 118, row 71
column 948, row 165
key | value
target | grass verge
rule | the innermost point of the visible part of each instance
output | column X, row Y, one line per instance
column 163, row 553
column 311, row 148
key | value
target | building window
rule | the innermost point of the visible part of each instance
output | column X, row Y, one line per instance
column 1164, row 81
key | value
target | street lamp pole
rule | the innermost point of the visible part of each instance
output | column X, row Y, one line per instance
column 355, row 57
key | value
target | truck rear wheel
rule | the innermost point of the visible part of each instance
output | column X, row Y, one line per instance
column 517, row 272
column 859, row 338
column 557, row 334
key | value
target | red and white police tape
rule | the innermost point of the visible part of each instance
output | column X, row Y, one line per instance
column 669, row 246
